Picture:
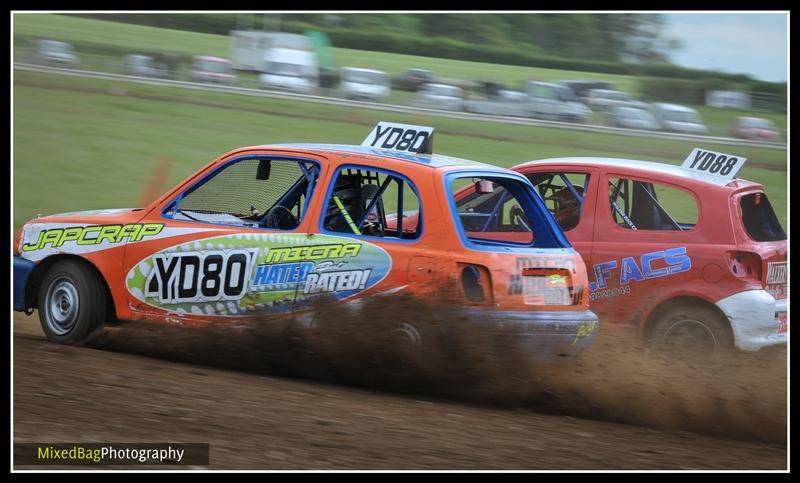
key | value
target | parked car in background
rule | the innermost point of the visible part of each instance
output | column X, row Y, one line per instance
column 754, row 128
column 632, row 118
column 496, row 99
column 581, row 88
column 366, row 84
column 291, row 70
column 440, row 96
column 555, row 101
column 144, row 66
column 54, row 53
column 604, row 99
column 413, row 79
column 212, row 70
column 676, row 118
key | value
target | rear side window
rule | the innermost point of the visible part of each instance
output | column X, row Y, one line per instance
column 372, row 203
column 490, row 210
column 759, row 219
column 641, row 205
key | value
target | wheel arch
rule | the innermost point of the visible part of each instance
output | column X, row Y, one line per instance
column 38, row 273
column 665, row 305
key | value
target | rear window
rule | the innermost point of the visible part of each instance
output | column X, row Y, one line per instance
column 759, row 219
column 490, row 210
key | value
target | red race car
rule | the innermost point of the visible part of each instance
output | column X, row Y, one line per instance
column 262, row 231
column 688, row 255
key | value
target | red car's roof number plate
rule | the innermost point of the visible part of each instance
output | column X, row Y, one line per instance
column 718, row 164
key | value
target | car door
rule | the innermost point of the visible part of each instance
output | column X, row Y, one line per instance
column 643, row 235
column 236, row 242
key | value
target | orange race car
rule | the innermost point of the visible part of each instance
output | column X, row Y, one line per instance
column 262, row 231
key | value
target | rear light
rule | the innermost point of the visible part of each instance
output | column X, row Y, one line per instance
column 550, row 286
column 745, row 265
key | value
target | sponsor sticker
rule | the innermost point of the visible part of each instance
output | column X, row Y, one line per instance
column 246, row 273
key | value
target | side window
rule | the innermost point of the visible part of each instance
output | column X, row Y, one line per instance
column 641, row 205
column 373, row 203
column 563, row 195
column 263, row 192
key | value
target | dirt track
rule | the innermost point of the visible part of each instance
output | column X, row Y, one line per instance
column 122, row 388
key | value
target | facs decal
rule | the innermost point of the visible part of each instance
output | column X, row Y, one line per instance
column 235, row 274
column 661, row 263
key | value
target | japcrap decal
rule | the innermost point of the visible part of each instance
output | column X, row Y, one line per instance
column 661, row 263
column 40, row 240
column 234, row 274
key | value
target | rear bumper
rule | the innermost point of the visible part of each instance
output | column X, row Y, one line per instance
column 22, row 272
column 545, row 336
column 755, row 317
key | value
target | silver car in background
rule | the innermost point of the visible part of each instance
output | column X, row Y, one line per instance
column 364, row 84
column 144, row 66
column 555, row 102
column 677, row 118
column 212, row 70
column 440, row 96
column 604, row 99
column 54, row 53
column 632, row 118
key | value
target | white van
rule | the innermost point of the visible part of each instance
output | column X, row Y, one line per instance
column 249, row 46
column 556, row 102
column 368, row 84
column 290, row 70
column 673, row 117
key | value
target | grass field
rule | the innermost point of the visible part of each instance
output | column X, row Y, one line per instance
column 86, row 144
column 136, row 38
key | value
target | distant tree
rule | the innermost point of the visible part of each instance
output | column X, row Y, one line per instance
column 638, row 37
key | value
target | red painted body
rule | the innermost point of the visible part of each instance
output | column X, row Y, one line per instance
column 712, row 245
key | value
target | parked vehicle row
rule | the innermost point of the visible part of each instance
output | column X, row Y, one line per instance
column 289, row 62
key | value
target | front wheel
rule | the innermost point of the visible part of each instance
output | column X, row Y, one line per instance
column 72, row 302
column 691, row 330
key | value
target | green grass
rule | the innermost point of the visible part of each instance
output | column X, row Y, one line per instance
column 85, row 144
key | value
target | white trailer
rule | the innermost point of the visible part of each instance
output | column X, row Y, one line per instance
column 249, row 46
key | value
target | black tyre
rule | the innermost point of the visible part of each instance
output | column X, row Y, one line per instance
column 691, row 330
column 72, row 302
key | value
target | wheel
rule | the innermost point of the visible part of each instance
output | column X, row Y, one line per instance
column 691, row 329
column 72, row 302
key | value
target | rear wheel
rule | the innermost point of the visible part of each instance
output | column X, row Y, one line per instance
column 692, row 330
column 72, row 302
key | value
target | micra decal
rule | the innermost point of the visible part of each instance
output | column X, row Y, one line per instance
column 662, row 263
column 93, row 235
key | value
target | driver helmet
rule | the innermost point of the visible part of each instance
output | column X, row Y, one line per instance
column 566, row 207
